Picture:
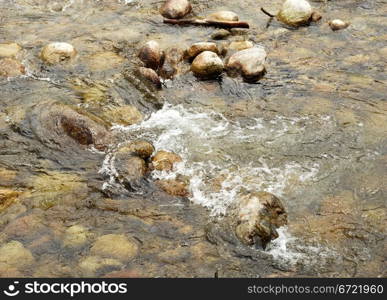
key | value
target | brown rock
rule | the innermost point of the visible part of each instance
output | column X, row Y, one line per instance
column 57, row 52
column 198, row 48
column 150, row 75
column 207, row 65
column 175, row 9
column 151, row 55
column 116, row 246
column 173, row 187
column 164, row 160
column 257, row 217
column 142, row 148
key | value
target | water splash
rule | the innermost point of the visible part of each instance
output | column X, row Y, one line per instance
column 222, row 157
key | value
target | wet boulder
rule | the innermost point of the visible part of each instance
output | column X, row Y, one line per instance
column 223, row 16
column 257, row 216
column 175, row 9
column 174, row 187
column 150, row 76
column 170, row 67
column 57, row 52
column 338, row 24
column 165, row 161
column 151, row 55
column 249, row 63
column 10, row 67
column 198, row 48
column 207, row 65
column 142, row 148
column 295, row 12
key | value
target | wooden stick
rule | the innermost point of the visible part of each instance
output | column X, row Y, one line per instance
column 204, row 22
column 267, row 13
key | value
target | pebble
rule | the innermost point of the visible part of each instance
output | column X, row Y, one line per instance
column 220, row 34
column 338, row 24
column 224, row 15
column 14, row 254
column 151, row 55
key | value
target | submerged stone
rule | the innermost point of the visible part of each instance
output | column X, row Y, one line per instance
column 150, row 75
column 116, row 246
column 10, row 67
column 173, row 187
column 175, row 9
column 142, row 148
column 14, row 254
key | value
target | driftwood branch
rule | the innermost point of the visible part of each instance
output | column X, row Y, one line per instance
column 267, row 13
column 204, row 22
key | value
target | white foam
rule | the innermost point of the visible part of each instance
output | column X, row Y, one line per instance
column 209, row 145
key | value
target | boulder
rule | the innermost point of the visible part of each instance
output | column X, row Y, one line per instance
column 207, row 65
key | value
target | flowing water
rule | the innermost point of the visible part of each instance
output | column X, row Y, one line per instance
column 312, row 131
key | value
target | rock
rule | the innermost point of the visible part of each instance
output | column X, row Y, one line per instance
column 207, row 65
column 257, row 216
column 13, row 254
column 316, row 16
column 150, row 75
column 151, row 55
column 170, row 67
column 338, row 24
column 220, row 34
column 9, row 49
column 295, row 12
column 116, row 246
column 24, row 228
column 10, row 67
column 173, row 187
column 164, row 160
column 240, row 45
column 91, row 265
column 142, row 148
column 57, row 52
column 123, row 115
column 175, row 9
column 7, row 198
column 131, row 169
column 249, row 63
column 225, row 16
column 75, row 236
column 198, row 48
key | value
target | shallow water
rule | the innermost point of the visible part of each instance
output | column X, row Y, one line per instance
column 312, row 131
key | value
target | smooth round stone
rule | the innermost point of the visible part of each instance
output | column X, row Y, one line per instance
column 338, row 24
column 56, row 52
column 14, row 254
column 207, row 65
column 75, row 236
column 223, row 16
column 164, row 160
column 175, row 9
column 150, row 75
column 198, row 48
column 249, row 63
column 151, row 55
column 240, row 45
column 295, row 12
